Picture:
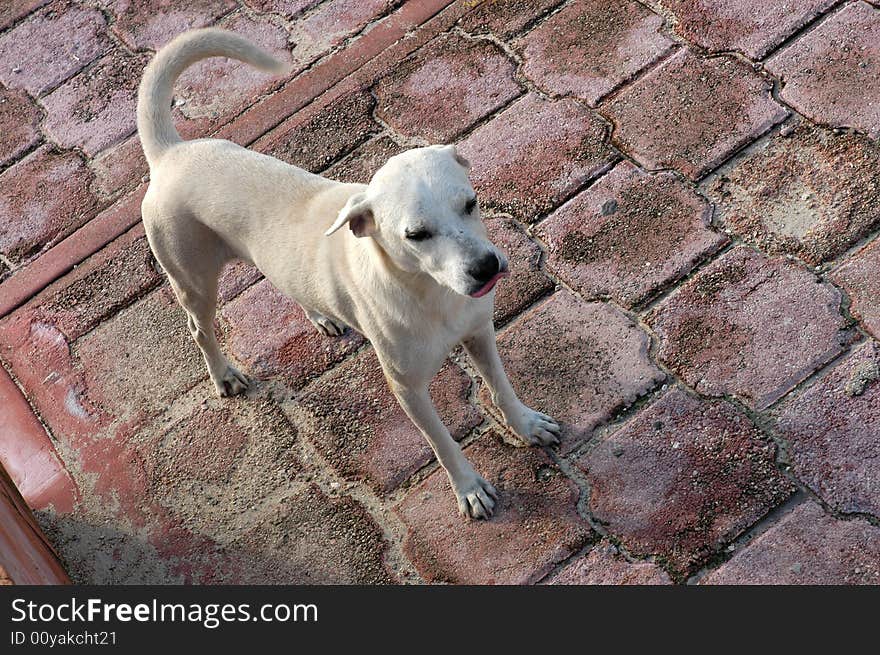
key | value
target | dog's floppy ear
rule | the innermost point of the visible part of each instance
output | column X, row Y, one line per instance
column 451, row 149
column 359, row 216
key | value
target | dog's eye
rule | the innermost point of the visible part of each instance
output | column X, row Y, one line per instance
column 470, row 206
column 417, row 235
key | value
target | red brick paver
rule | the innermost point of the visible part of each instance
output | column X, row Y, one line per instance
column 319, row 140
column 33, row 214
column 12, row 10
column 604, row 565
column 96, row 108
column 832, row 74
column 832, row 430
column 445, row 87
column 360, row 428
column 628, row 235
column 579, row 362
column 807, row 547
column 535, row 525
column 590, row 47
column 683, row 478
column 753, row 27
column 749, row 326
column 271, row 336
column 692, row 113
column 149, row 25
column 857, row 275
column 527, row 282
column 51, row 46
column 534, row 154
column 330, row 24
column 809, row 192
column 19, row 124
column 505, row 18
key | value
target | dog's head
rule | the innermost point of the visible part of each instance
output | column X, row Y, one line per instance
column 422, row 210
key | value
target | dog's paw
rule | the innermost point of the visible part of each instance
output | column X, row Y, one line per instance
column 533, row 428
column 476, row 497
column 326, row 326
column 232, row 382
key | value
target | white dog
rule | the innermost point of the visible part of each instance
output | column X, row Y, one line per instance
column 414, row 272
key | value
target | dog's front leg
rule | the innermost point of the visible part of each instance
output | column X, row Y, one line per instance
column 476, row 497
column 533, row 428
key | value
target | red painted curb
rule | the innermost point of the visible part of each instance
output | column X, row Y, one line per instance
column 28, row 455
column 246, row 128
column 26, row 556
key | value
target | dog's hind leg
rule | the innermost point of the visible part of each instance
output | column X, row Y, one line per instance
column 193, row 274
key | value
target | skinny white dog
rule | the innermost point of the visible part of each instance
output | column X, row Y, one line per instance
column 414, row 272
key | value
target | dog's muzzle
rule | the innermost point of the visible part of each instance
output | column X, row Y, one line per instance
column 487, row 272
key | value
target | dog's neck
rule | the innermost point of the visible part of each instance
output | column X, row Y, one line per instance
column 420, row 287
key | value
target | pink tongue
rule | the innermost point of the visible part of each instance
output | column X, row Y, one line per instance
column 490, row 284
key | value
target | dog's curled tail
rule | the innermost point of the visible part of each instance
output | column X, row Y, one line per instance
column 154, row 122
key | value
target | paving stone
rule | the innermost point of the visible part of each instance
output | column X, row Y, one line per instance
column 272, row 337
column 151, row 24
column 51, row 46
column 235, row 278
column 832, row 429
column 683, row 478
column 217, row 89
column 505, row 18
column 312, row 538
column 691, row 113
column 358, row 426
column 19, row 125
column 330, row 24
column 120, row 167
column 33, row 214
column 858, row 277
column 832, row 73
column 809, row 193
column 534, row 154
column 363, row 163
column 591, row 47
column 95, row 290
column 97, row 107
column 212, row 466
column 604, row 565
column 287, row 8
column 578, row 362
column 13, row 10
column 445, row 87
column 629, row 235
column 535, row 524
column 141, row 360
column 749, row 326
column 527, row 282
column 751, row 27
column 806, row 547
column 316, row 142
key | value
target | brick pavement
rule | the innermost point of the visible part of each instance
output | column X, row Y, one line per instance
column 688, row 192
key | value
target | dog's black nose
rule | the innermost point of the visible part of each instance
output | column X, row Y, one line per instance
column 485, row 268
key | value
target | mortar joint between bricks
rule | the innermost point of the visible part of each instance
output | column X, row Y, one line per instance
column 599, row 530
column 808, row 27
column 747, row 536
